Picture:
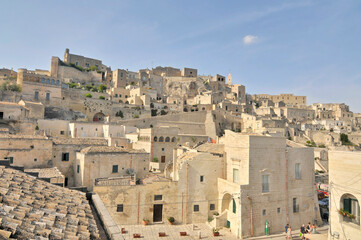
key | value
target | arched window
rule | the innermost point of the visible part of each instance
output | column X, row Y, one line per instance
column 167, row 139
column 185, row 110
column 47, row 81
column 155, row 139
column 57, row 82
column 43, row 80
column 52, row 81
column 351, row 207
column 161, row 139
column 173, row 139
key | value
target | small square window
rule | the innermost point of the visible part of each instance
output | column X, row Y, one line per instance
column 65, row 157
column 212, row 206
column 201, row 179
column 115, row 169
column 158, row 197
column 120, row 208
column 162, row 149
column 35, row 159
column 62, row 132
column 196, row 208
column 264, row 212
column 278, row 210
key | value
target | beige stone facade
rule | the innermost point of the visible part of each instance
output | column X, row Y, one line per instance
column 344, row 187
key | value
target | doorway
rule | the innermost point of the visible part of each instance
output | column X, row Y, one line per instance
column 1, row 115
column 157, row 212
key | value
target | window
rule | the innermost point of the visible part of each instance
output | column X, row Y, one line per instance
column 235, row 175
column 195, row 208
column 65, row 157
column 47, row 96
column 162, row 159
column 120, row 208
column 52, row 81
column 1, row 115
column 212, row 206
column 62, row 132
column 351, row 205
column 298, row 171
column 264, row 212
column 116, row 95
column 265, row 183
column 10, row 158
column 158, row 197
column 201, row 179
column 42, row 80
column 57, row 82
column 295, row 205
column 78, row 168
column 76, row 63
column 47, row 81
column 234, row 209
column 36, row 96
column 35, row 159
column 115, row 169
column 278, row 210
column 162, row 149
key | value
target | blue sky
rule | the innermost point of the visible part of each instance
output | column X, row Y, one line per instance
column 310, row 48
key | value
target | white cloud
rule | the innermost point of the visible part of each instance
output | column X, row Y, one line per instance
column 249, row 39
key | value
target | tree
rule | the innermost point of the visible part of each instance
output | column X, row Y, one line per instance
column 7, row 86
column 102, row 88
column 153, row 112
column 119, row 114
column 344, row 139
column 101, row 97
column 88, row 95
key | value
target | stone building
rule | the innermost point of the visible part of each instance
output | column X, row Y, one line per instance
column 345, row 195
column 190, row 196
column 29, row 151
column 288, row 99
column 253, row 190
column 104, row 162
column 64, row 155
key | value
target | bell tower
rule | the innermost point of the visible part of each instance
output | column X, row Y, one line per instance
column 229, row 79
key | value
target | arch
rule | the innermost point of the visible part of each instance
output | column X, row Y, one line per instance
column 155, row 139
column 161, row 139
column 173, row 139
column 203, row 108
column 99, row 117
column 226, row 202
column 126, row 102
column 167, row 139
column 47, row 81
column 185, row 110
column 52, row 81
column 120, row 101
column 350, row 204
column 57, row 82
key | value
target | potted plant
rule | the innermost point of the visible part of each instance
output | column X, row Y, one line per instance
column 145, row 222
column 171, row 220
column 215, row 232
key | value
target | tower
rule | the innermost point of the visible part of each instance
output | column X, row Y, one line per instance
column 229, row 79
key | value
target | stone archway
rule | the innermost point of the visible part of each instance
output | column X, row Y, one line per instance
column 99, row 117
column 227, row 202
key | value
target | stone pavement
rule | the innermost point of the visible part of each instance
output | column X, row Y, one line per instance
column 172, row 232
column 321, row 235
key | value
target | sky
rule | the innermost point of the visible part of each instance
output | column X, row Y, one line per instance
column 310, row 48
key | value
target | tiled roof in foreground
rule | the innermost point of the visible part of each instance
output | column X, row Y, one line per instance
column 34, row 209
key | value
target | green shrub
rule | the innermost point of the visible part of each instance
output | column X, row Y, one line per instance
column 153, row 112
column 102, row 97
column 155, row 159
column 7, row 86
column 88, row 87
column 345, row 140
column 102, row 88
column 119, row 114
column 162, row 112
column 88, row 95
column 136, row 116
column 93, row 68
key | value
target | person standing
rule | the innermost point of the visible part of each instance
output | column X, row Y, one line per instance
column 303, row 231
column 289, row 233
